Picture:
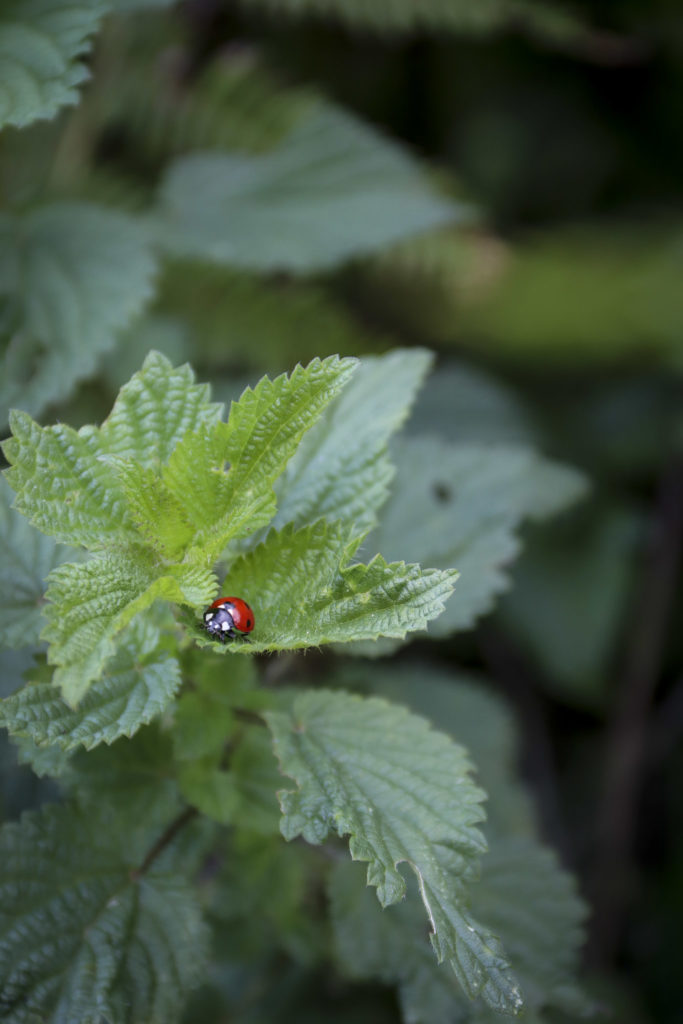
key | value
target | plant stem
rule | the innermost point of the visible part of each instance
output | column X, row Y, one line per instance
column 163, row 841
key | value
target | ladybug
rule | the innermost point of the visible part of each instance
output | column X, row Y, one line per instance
column 228, row 618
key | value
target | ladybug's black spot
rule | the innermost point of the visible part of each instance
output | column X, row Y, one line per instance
column 248, row 623
column 442, row 492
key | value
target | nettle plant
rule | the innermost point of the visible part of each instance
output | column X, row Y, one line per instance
column 158, row 882
column 170, row 747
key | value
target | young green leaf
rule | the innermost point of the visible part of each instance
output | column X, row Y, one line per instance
column 26, row 558
column 63, row 487
column 75, row 275
column 138, row 683
column 84, row 935
column 90, row 603
column 42, row 43
column 158, row 515
column 305, row 591
column 63, row 481
column 341, row 469
column 461, row 505
column 154, row 410
column 403, row 794
column 261, row 435
column 256, row 211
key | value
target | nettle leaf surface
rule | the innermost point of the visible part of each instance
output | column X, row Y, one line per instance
column 263, row 431
column 90, row 603
column 305, row 591
column 390, row 946
column 523, row 894
column 26, row 558
column 341, row 469
column 85, row 938
column 534, row 905
column 73, row 276
column 332, row 189
column 138, row 683
column 471, row 713
column 154, row 410
column 63, row 486
column 462, row 505
column 403, row 793
column 42, row 43
column 160, row 489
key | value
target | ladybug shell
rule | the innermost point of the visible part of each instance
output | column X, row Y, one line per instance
column 240, row 612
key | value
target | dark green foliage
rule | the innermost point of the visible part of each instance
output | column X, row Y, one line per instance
column 310, row 209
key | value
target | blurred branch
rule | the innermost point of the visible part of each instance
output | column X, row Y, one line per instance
column 606, row 49
column 667, row 726
column 626, row 740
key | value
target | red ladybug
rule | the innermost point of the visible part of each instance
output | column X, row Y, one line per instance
column 228, row 618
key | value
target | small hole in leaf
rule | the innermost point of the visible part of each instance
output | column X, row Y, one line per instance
column 442, row 492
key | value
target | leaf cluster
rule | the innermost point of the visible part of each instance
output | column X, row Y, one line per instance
column 279, row 496
column 237, row 217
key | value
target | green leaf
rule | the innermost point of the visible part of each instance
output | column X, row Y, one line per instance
column 207, row 739
column 261, row 435
column 43, row 761
column 83, row 937
column 263, row 895
column 202, row 725
column 72, row 276
column 42, row 43
column 466, row 708
column 26, row 558
column 524, row 894
column 305, row 592
column 462, row 505
column 90, row 603
column 403, row 794
column 139, row 682
column 154, row 411
column 341, row 469
column 210, row 789
column 259, row 321
column 257, row 780
column 570, row 592
column 134, row 778
column 63, row 486
column 158, row 515
column 534, row 905
column 161, row 123
column 390, row 946
column 257, row 211
column 463, row 403
column 63, row 482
